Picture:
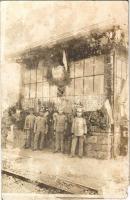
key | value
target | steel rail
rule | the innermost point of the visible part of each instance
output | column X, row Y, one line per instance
column 60, row 184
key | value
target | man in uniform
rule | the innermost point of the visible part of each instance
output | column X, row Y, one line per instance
column 40, row 130
column 68, row 134
column 79, row 131
column 29, row 129
column 60, row 124
column 54, row 115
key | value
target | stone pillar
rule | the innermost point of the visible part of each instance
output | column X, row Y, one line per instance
column 109, row 93
column 116, row 112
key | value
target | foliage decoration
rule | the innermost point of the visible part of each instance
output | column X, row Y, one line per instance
column 59, row 82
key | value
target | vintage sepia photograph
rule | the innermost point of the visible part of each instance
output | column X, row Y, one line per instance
column 64, row 100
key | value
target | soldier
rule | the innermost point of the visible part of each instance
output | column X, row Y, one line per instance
column 54, row 115
column 79, row 130
column 40, row 130
column 60, row 124
column 68, row 134
column 29, row 129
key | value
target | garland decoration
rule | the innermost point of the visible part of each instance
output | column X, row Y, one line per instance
column 60, row 82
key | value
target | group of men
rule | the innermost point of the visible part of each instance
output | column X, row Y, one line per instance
column 37, row 128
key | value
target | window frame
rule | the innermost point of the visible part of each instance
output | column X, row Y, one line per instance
column 92, row 63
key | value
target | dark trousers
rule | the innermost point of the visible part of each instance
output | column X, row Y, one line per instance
column 29, row 141
column 59, row 141
column 39, row 140
column 74, row 144
column 67, row 144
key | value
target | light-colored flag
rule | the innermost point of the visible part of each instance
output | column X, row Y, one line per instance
column 64, row 60
column 109, row 110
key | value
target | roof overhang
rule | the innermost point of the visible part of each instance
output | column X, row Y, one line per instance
column 73, row 43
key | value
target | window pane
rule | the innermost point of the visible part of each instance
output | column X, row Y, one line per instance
column 118, row 68
column 44, row 79
column 33, row 91
column 53, row 91
column 31, row 103
column 88, row 68
column 39, row 90
column 39, row 75
column 27, row 76
column 33, row 75
column 99, row 65
column 45, row 89
column 44, row 71
column 99, row 84
column 70, row 88
column 45, row 100
column 79, row 68
column 72, row 70
column 53, row 100
column 25, row 104
column 88, row 85
column 26, row 91
column 79, row 86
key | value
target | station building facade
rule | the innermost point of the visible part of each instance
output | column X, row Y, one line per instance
column 96, row 71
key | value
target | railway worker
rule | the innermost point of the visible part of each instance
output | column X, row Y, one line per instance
column 40, row 130
column 79, row 131
column 29, row 129
column 53, row 137
column 68, row 135
column 60, row 125
column 49, row 136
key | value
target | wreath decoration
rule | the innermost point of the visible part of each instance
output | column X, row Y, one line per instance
column 60, row 82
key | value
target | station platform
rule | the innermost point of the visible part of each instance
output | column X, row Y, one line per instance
column 108, row 177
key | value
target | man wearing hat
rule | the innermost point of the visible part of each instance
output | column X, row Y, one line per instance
column 60, row 124
column 79, row 130
column 29, row 127
column 40, row 130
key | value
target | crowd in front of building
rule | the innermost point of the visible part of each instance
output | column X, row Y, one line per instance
column 54, row 129
column 62, row 132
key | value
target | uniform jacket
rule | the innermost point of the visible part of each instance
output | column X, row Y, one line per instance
column 29, row 122
column 41, row 124
column 60, row 123
column 79, row 126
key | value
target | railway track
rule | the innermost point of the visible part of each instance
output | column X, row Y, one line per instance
column 53, row 184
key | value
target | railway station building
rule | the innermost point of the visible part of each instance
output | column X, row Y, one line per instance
column 88, row 69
